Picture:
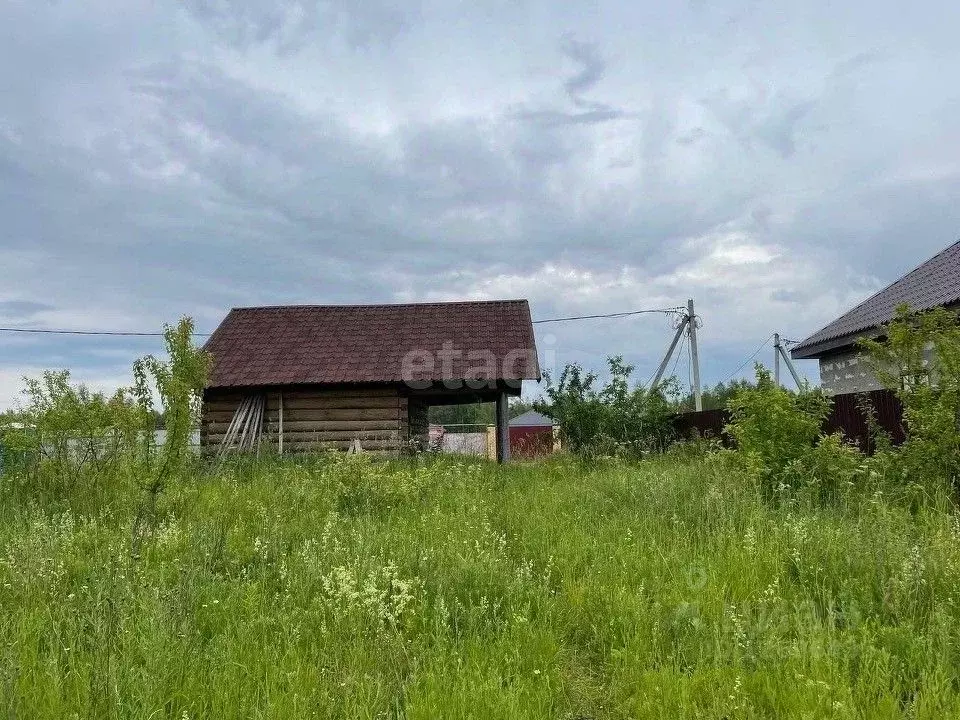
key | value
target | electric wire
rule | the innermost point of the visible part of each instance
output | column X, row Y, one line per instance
column 665, row 311
column 132, row 333
column 114, row 333
column 752, row 357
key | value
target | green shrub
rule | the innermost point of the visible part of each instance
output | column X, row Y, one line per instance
column 616, row 419
column 829, row 471
column 71, row 440
column 775, row 429
column 919, row 360
column 72, row 444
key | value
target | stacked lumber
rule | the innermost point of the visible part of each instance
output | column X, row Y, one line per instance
column 245, row 429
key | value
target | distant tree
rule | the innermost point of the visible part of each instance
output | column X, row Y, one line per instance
column 466, row 414
column 620, row 418
column 518, row 406
column 719, row 396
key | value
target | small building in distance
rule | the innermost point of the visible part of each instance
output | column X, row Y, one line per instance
column 935, row 283
column 315, row 377
column 531, row 435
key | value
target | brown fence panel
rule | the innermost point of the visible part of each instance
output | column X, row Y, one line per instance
column 848, row 415
column 706, row 423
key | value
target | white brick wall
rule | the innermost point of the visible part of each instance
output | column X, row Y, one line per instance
column 847, row 372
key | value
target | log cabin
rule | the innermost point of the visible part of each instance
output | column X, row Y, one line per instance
column 302, row 378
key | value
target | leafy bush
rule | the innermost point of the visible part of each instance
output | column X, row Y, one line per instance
column 68, row 438
column 828, row 471
column 73, row 443
column 775, row 428
column 919, row 359
column 614, row 420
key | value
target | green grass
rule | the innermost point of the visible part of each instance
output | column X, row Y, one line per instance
column 444, row 589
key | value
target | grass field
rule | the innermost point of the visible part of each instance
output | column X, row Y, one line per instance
column 344, row 588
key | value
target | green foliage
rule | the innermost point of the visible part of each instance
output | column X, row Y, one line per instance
column 777, row 432
column 70, row 439
column 615, row 419
column 919, row 359
column 67, row 443
column 773, row 425
column 480, row 414
column 179, row 381
column 715, row 398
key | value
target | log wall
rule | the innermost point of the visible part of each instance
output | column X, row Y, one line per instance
column 318, row 419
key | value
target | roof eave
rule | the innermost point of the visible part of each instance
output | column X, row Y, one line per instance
column 816, row 350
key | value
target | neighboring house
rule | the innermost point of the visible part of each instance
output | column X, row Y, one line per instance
column 843, row 368
column 331, row 376
column 531, row 434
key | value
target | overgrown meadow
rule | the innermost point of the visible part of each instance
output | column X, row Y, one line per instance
column 341, row 586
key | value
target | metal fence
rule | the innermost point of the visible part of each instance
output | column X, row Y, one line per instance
column 849, row 415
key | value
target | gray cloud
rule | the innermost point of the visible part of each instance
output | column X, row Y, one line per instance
column 21, row 309
column 592, row 67
column 233, row 153
column 288, row 25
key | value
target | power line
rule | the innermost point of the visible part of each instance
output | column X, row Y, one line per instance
column 747, row 361
column 665, row 311
column 130, row 333
column 113, row 333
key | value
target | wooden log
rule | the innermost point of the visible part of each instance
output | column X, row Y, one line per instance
column 369, row 445
column 309, row 393
column 322, row 415
column 356, row 427
column 339, row 414
column 360, row 428
column 311, row 436
column 288, row 425
column 335, row 403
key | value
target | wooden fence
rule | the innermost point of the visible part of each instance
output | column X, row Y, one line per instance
column 847, row 416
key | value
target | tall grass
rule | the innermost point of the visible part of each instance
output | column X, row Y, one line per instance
column 441, row 588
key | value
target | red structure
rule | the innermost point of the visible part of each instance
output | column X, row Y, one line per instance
column 531, row 435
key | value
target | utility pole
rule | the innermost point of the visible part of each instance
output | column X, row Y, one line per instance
column 789, row 362
column 666, row 358
column 695, row 355
column 776, row 358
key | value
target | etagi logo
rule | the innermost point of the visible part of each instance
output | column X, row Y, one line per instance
column 454, row 369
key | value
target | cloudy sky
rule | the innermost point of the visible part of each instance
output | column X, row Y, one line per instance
column 777, row 162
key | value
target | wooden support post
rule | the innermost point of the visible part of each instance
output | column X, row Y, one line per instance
column 503, row 429
column 791, row 368
column 694, row 356
column 666, row 358
column 280, row 425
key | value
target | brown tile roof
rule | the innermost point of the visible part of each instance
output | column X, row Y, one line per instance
column 936, row 283
column 301, row 344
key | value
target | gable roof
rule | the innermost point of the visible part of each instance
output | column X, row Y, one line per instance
column 935, row 283
column 308, row 344
column 531, row 418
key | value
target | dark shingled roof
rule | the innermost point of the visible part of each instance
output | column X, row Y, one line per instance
column 306, row 344
column 936, row 283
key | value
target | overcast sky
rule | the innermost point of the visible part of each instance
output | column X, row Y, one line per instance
column 777, row 162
